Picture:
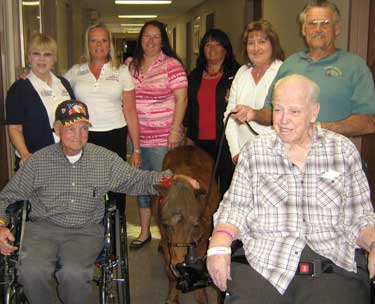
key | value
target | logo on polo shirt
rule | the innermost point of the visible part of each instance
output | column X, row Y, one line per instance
column 113, row 77
column 332, row 71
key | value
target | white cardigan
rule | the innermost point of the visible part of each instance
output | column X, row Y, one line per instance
column 244, row 91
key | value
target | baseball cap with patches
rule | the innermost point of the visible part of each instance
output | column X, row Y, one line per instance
column 71, row 111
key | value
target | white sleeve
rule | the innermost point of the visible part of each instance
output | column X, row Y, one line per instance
column 231, row 131
column 126, row 79
column 71, row 74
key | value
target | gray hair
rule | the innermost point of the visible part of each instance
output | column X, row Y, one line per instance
column 312, row 89
column 320, row 3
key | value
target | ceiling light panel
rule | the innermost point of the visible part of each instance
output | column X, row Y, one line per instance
column 137, row 2
column 137, row 16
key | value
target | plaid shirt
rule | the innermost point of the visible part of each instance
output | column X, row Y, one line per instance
column 280, row 209
column 72, row 195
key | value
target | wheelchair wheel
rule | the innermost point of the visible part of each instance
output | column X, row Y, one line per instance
column 14, row 295
column 122, row 270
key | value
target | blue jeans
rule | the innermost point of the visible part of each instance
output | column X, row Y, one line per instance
column 152, row 159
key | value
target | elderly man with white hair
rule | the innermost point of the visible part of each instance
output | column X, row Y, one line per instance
column 300, row 203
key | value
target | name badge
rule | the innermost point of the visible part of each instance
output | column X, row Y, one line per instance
column 46, row 93
column 83, row 72
column 64, row 93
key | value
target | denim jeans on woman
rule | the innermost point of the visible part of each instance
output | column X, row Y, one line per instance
column 152, row 159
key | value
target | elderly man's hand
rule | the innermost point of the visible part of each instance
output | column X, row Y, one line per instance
column 193, row 182
column 219, row 268
column 5, row 237
column 371, row 263
column 243, row 113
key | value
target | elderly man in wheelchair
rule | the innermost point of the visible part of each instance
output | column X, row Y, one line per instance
column 65, row 184
column 300, row 203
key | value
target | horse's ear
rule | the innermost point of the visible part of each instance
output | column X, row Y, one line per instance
column 163, row 190
column 199, row 193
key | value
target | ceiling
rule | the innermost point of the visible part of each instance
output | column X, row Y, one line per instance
column 107, row 11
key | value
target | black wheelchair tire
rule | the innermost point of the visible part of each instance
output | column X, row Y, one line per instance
column 122, row 257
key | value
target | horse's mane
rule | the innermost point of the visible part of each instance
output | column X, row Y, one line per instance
column 179, row 202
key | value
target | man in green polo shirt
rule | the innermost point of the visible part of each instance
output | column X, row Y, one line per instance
column 347, row 89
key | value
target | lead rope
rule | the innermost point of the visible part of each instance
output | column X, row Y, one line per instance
column 220, row 150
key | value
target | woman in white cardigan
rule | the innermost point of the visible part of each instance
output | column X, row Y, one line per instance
column 252, row 81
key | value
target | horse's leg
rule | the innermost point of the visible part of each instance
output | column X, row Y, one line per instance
column 173, row 293
column 201, row 296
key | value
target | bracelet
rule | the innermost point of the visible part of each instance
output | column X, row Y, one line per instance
column 228, row 233
column 371, row 246
column 175, row 128
column 2, row 222
column 138, row 151
column 218, row 250
column 174, row 131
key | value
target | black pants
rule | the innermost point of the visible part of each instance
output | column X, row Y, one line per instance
column 342, row 287
column 114, row 140
column 225, row 167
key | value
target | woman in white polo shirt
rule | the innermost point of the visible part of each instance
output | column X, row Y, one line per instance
column 108, row 90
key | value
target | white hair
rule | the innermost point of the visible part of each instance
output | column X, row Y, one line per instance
column 311, row 88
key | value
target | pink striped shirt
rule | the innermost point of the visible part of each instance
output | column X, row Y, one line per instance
column 155, row 100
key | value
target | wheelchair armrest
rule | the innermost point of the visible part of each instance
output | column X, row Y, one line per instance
column 17, row 206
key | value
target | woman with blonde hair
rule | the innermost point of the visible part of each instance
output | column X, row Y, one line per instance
column 31, row 102
column 107, row 88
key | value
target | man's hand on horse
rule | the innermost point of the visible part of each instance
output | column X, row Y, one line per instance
column 193, row 182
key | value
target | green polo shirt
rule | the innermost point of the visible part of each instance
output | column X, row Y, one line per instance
column 345, row 81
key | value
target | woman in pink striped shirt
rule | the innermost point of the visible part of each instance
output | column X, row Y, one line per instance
column 161, row 99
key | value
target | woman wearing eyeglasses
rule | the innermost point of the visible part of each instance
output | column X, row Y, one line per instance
column 31, row 102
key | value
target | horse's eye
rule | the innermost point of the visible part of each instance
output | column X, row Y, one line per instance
column 196, row 226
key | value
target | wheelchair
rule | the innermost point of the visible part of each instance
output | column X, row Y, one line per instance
column 11, row 291
column 113, row 279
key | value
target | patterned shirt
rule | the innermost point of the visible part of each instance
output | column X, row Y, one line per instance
column 155, row 99
column 280, row 209
column 72, row 195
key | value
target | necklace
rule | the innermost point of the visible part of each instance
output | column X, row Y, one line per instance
column 213, row 74
column 258, row 72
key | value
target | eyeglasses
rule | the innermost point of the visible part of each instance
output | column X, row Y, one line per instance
column 324, row 23
column 41, row 54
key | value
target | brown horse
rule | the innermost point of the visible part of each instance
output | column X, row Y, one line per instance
column 183, row 214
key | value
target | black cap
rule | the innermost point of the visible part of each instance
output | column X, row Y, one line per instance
column 71, row 111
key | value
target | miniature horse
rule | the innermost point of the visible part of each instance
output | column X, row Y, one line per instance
column 183, row 214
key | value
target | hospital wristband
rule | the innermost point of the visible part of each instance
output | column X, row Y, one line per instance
column 218, row 250
column 226, row 232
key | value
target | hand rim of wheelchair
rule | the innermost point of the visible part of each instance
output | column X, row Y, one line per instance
column 114, row 265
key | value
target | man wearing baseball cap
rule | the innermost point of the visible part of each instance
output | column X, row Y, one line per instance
column 66, row 184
